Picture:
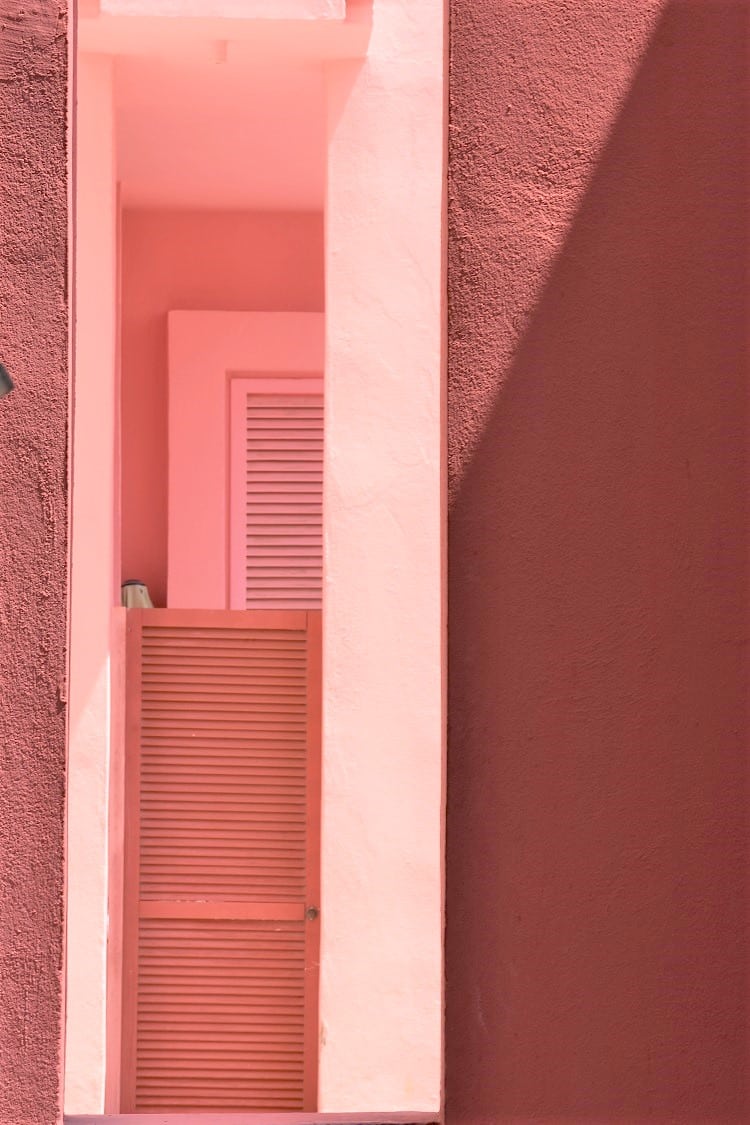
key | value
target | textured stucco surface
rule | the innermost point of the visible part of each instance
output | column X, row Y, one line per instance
column 597, row 955
column 33, row 422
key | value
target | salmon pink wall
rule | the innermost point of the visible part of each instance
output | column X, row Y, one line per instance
column 597, row 941
column 34, row 329
column 192, row 261
column 223, row 9
column 205, row 350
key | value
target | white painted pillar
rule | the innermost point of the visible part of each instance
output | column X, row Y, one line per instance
column 92, row 594
column 381, row 979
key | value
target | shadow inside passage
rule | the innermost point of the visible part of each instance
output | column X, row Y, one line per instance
column 597, row 954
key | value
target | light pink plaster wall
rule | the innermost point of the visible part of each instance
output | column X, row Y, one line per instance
column 192, row 261
column 92, row 586
column 381, row 968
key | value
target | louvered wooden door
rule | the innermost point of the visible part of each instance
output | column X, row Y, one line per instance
column 276, row 493
column 221, row 935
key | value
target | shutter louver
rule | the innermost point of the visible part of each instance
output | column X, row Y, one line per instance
column 223, row 783
column 220, row 1015
column 283, row 514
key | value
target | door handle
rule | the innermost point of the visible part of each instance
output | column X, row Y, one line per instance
column 311, row 913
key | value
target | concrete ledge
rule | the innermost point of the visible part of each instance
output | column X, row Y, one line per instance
column 221, row 9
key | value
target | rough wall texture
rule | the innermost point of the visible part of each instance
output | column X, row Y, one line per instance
column 597, row 953
column 33, row 423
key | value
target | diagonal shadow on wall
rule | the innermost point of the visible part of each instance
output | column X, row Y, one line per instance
column 597, row 952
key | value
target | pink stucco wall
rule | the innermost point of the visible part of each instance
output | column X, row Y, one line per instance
column 384, row 522
column 200, row 261
column 33, row 546
column 597, row 943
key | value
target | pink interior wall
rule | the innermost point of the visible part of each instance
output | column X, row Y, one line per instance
column 597, row 944
column 192, row 261
column 206, row 349
column 226, row 9
column 33, row 553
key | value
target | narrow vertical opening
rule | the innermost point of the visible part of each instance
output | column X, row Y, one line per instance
column 198, row 575
column 254, row 805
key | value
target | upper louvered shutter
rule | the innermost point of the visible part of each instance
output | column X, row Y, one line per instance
column 222, row 860
column 276, row 496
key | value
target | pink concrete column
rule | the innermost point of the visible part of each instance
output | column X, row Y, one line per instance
column 381, row 972
column 33, row 554
column 92, row 593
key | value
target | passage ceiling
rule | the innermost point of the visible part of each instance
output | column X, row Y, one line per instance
column 222, row 113
column 234, row 134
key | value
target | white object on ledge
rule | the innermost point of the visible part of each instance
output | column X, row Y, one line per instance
column 135, row 595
